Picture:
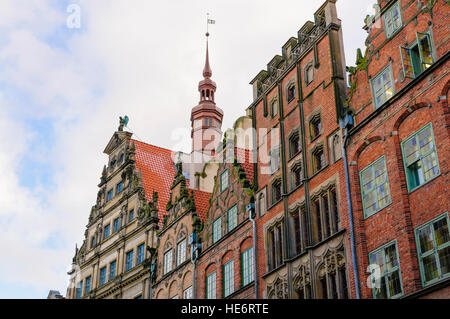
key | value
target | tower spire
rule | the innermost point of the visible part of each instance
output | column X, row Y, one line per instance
column 206, row 117
column 207, row 69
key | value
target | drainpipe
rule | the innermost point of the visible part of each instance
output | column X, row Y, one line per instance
column 347, row 123
column 195, row 253
column 251, row 215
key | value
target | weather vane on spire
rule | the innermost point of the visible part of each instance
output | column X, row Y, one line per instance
column 208, row 22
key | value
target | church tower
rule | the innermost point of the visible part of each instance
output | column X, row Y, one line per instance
column 206, row 117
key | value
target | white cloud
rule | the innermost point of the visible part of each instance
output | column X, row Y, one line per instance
column 143, row 60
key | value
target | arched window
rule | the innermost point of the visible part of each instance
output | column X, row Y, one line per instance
column 309, row 73
column 318, row 159
column 296, row 175
column 294, row 145
column 274, row 108
column 315, row 127
column 261, row 204
column 276, row 191
column 291, row 92
column 337, row 150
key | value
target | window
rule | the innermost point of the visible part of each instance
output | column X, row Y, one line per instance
column 420, row 158
column 119, row 188
column 315, row 127
column 418, row 57
column 261, row 204
column 79, row 290
column 274, row 159
column 375, row 191
column 392, row 20
column 228, row 278
column 129, row 260
column 187, row 293
column 275, row 247
column 297, row 175
column 131, row 216
column 168, row 261
column 317, row 220
column 102, row 276
column 232, row 218
column 433, row 245
column 138, row 297
column 335, row 146
column 181, row 252
column 291, row 93
column 112, row 270
column 116, row 224
column 247, row 266
column 211, row 286
column 390, row 283
column 294, row 145
column 224, row 181
column 274, row 108
column 217, row 230
column 300, row 230
column 140, row 254
column 87, row 287
column 309, row 73
column 382, row 86
column 121, row 157
column 325, row 215
column 276, row 191
column 318, row 159
column 93, row 242
column 107, row 228
column 110, row 195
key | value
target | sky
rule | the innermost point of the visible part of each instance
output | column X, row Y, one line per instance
column 64, row 84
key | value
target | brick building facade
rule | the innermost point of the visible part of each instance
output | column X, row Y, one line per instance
column 327, row 188
column 398, row 150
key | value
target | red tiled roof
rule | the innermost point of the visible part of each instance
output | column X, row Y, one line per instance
column 201, row 203
column 158, row 172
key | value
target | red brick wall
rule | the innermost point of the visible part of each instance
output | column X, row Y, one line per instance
column 383, row 134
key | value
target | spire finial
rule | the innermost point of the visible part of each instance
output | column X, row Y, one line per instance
column 207, row 70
